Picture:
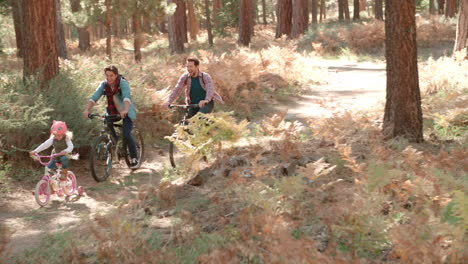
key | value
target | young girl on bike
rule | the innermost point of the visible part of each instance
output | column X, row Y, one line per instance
column 60, row 138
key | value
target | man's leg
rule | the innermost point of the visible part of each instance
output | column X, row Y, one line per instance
column 208, row 108
column 127, row 133
column 192, row 111
column 110, row 125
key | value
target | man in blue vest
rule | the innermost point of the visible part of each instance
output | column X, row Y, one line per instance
column 117, row 91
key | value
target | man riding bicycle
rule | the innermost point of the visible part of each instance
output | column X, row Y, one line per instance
column 198, row 89
column 117, row 91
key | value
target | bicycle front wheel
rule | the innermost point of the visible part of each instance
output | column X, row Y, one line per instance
column 140, row 147
column 69, row 186
column 100, row 158
column 42, row 192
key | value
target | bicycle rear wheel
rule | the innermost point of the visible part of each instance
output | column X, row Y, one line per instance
column 140, row 147
column 100, row 159
column 173, row 154
column 42, row 192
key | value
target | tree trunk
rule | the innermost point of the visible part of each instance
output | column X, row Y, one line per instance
column 83, row 33
column 322, row 10
column 192, row 19
column 137, row 35
column 432, row 10
column 208, row 22
column 245, row 22
column 19, row 27
column 162, row 27
column 314, row 11
column 379, row 9
column 61, row 42
column 185, row 23
column 440, row 6
column 340, row 9
column 451, row 8
column 116, row 28
column 461, row 40
column 254, row 20
column 300, row 18
column 216, row 10
column 108, row 30
column 146, row 25
column 362, row 5
column 84, row 43
column 40, row 55
column 175, row 28
column 346, row 9
column 255, row 16
column 284, row 15
column 403, row 114
column 356, row 9
column 264, row 12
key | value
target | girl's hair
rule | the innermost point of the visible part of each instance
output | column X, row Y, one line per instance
column 111, row 68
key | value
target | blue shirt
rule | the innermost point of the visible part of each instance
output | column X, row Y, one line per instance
column 122, row 97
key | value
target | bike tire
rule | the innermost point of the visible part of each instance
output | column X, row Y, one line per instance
column 42, row 193
column 69, row 186
column 100, row 158
column 172, row 154
column 140, row 146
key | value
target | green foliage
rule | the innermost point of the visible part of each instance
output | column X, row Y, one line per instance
column 195, row 203
column 456, row 212
column 205, row 131
column 365, row 235
column 27, row 111
column 154, row 240
column 24, row 114
column 51, row 249
column 379, row 175
column 228, row 16
column 199, row 246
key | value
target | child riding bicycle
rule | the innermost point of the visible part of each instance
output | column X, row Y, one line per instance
column 60, row 138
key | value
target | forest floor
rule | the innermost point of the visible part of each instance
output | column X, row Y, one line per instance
column 351, row 87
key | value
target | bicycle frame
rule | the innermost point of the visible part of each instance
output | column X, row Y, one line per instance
column 39, row 158
column 186, row 108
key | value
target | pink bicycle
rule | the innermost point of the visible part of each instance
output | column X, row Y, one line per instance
column 50, row 184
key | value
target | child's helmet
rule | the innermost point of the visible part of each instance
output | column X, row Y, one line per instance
column 58, row 128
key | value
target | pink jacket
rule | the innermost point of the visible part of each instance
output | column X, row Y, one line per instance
column 206, row 83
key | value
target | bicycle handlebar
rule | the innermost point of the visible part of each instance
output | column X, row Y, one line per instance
column 185, row 106
column 39, row 158
column 91, row 116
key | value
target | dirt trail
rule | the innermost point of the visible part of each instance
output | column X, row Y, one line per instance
column 30, row 223
column 351, row 86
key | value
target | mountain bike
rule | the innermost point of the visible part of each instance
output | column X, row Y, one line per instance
column 106, row 149
column 175, row 155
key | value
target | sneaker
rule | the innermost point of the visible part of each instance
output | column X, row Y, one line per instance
column 134, row 163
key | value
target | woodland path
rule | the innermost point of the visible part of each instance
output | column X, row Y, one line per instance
column 351, row 86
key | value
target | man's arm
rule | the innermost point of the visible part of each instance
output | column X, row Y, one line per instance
column 125, row 88
column 209, row 87
column 209, row 90
column 177, row 90
column 94, row 98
